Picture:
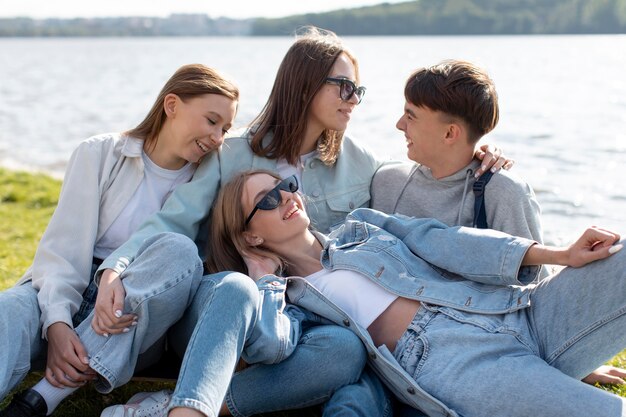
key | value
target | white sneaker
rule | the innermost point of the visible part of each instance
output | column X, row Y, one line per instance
column 142, row 404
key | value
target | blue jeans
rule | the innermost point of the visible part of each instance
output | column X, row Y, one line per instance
column 20, row 339
column 529, row 362
column 159, row 287
column 21, row 345
column 366, row 397
column 212, row 334
column 160, row 284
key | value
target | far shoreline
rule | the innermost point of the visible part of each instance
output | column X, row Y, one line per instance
column 30, row 169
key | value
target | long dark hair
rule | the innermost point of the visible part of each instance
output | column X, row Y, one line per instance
column 301, row 74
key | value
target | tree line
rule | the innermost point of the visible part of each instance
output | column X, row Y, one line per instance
column 419, row 17
column 463, row 17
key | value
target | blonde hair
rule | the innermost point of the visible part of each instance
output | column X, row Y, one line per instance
column 187, row 82
column 226, row 242
column 301, row 74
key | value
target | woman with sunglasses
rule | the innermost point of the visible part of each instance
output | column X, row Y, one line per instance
column 298, row 132
column 113, row 182
column 445, row 312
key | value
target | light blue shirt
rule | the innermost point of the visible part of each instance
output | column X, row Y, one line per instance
column 333, row 191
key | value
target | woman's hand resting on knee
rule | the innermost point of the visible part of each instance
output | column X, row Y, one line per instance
column 593, row 245
column 109, row 317
column 606, row 374
column 67, row 364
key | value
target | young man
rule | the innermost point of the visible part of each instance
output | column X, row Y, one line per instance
column 448, row 108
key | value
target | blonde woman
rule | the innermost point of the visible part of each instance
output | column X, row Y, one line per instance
column 112, row 184
column 447, row 314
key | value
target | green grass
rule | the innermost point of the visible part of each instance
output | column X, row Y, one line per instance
column 26, row 204
column 620, row 362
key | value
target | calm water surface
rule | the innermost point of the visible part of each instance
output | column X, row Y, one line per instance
column 562, row 99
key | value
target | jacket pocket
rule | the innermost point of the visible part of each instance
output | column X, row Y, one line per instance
column 342, row 204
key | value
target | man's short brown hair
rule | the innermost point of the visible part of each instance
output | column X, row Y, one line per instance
column 459, row 89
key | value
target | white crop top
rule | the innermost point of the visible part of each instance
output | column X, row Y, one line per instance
column 354, row 293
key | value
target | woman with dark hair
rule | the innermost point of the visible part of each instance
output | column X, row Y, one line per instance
column 447, row 314
column 113, row 182
column 299, row 130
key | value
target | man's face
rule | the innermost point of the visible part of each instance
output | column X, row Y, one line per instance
column 425, row 131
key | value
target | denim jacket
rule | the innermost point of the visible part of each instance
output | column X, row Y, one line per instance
column 422, row 259
column 333, row 191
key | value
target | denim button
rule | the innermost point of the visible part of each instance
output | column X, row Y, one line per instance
column 373, row 355
column 351, row 205
column 315, row 194
column 346, row 322
column 410, row 390
column 313, row 164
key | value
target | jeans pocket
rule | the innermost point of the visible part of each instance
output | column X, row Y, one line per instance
column 491, row 323
column 413, row 354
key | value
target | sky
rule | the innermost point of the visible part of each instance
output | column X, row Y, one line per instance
column 238, row 9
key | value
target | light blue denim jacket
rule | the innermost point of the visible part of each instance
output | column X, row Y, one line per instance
column 422, row 259
column 333, row 191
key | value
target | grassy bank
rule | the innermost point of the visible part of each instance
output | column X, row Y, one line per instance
column 26, row 204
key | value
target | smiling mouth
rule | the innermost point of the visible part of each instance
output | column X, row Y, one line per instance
column 203, row 148
column 291, row 212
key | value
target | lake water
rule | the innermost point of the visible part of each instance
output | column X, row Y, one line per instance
column 562, row 99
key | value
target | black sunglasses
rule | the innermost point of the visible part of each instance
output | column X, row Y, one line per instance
column 272, row 199
column 347, row 88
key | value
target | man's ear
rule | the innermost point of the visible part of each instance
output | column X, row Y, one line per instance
column 454, row 132
column 252, row 239
column 170, row 104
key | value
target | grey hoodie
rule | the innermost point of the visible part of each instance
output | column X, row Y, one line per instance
column 410, row 189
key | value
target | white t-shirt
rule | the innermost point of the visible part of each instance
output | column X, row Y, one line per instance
column 354, row 293
column 157, row 184
column 285, row 169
